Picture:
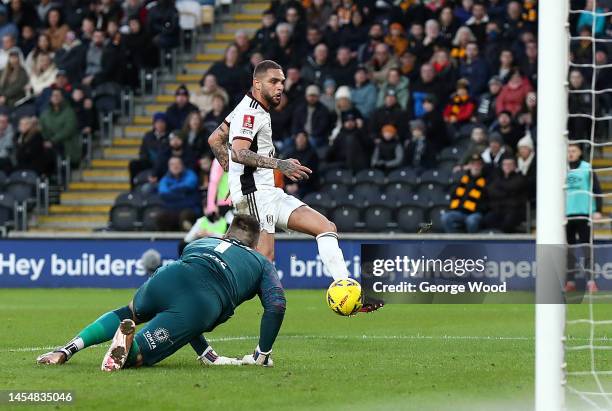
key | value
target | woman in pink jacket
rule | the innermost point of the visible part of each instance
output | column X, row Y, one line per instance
column 512, row 95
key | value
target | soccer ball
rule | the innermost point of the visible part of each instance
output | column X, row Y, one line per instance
column 344, row 296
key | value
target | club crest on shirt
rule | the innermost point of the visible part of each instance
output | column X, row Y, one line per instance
column 247, row 121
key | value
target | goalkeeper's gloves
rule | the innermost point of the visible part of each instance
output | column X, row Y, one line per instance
column 210, row 357
column 259, row 358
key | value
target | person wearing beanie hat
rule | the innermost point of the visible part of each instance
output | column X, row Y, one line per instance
column 312, row 116
column 153, row 144
column 388, row 152
column 328, row 96
column 486, row 112
column 526, row 161
column 180, row 109
column 343, row 92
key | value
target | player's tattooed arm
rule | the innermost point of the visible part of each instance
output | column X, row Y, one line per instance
column 291, row 168
column 218, row 143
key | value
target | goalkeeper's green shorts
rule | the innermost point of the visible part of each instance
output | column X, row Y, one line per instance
column 178, row 306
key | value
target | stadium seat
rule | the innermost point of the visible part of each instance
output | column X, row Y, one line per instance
column 124, row 217
column 3, row 179
column 350, row 200
column 338, row 176
column 22, row 185
column 152, row 199
column 396, row 190
column 132, row 199
column 409, row 199
column 346, row 218
column 370, row 176
column 453, row 153
column 335, row 191
column 149, row 217
column 408, row 218
column 366, row 189
column 430, row 191
column 377, row 218
column 383, row 199
column 7, row 209
column 435, row 176
column 317, row 199
column 402, row 175
column 447, row 166
column 142, row 177
column 435, row 216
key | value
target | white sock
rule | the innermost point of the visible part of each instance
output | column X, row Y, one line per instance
column 331, row 255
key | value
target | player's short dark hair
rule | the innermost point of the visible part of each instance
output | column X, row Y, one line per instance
column 264, row 66
column 245, row 228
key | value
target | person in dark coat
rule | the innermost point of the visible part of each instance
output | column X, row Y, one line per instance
column 163, row 24
column 71, row 57
column 507, row 194
column 176, row 148
column 435, row 127
column 351, row 147
column 180, row 109
column 195, row 135
column 140, row 52
column 343, row 71
column 388, row 152
column 307, row 156
column 153, row 143
column 312, row 117
column 30, row 149
column 389, row 113
column 230, row 75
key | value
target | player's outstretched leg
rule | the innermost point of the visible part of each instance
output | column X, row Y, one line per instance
column 99, row 331
column 118, row 352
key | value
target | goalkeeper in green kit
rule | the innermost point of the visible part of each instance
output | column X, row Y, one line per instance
column 186, row 298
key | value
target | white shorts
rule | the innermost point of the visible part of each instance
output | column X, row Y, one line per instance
column 272, row 207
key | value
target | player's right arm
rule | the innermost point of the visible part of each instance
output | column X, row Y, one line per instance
column 218, row 143
column 273, row 300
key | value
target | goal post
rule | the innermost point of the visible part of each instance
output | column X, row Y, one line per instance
column 550, row 209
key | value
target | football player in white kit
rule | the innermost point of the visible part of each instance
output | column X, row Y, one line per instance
column 251, row 164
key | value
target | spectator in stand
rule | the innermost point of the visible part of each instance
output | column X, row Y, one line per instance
column 8, row 43
column 506, row 195
column 295, row 86
column 435, row 127
column 396, row 39
column 30, row 149
column 364, row 93
column 527, row 118
column 59, row 127
column 13, row 80
column 375, row 37
column 265, row 34
column 103, row 61
column 460, row 107
column 84, row 110
column 379, row 66
column 448, row 24
column 445, row 72
column 241, row 41
column 526, row 160
column 427, row 84
column 87, row 30
column 140, row 52
column 195, row 136
column 328, row 97
column 178, row 188
column 419, row 152
column 486, row 113
column 506, row 64
column 474, row 69
column 355, row 33
column 283, row 49
column 463, row 10
column 314, row 37
column 153, row 143
column 463, row 37
column 408, row 66
column 43, row 8
column 180, row 109
column 477, row 22
column 218, row 113
column 344, row 69
column 176, row 148
column 209, row 88
column 318, row 13
column 23, row 14
column 388, row 152
column 56, row 29
column 230, row 75
column 507, row 127
column 43, row 46
column 390, row 113
column 416, row 37
column 513, row 94
column 344, row 104
column 331, row 33
column 307, row 155
column 398, row 83
column 317, row 67
column 580, row 101
column 281, row 117
column 312, row 117
column 71, row 57
column 294, row 18
column 7, row 27
column 433, row 41
column 478, row 144
column 27, row 40
column 530, row 62
column 351, row 146
column 6, row 144
column 495, row 152
column 163, row 24
column 61, row 82
column 43, row 74
column 468, row 200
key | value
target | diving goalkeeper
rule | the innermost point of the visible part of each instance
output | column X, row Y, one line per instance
column 186, row 298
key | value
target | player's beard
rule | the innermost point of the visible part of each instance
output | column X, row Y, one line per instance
column 270, row 99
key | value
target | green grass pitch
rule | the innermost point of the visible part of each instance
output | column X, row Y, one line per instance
column 412, row 357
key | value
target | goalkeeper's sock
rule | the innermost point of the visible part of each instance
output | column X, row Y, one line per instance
column 101, row 330
column 331, row 255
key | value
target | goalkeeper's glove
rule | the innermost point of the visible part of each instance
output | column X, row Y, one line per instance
column 259, row 358
column 210, row 357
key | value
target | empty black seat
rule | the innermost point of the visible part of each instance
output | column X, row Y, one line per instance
column 453, row 153
column 410, row 199
column 151, row 199
column 133, row 199
column 346, row 218
column 408, row 218
column 377, row 218
column 370, row 176
column 22, row 186
column 435, row 216
column 430, row 191
column 7, row 208
column 339, row 176
column 150, row 215
column 124, row 217
column 366, row 189
column 402, row 175
column 3, row 179
column 435, row 176
column 317, row 199
column 142, row 177
column 335, row 191
column 383, row 199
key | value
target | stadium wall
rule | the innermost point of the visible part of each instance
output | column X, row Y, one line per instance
column 111, row 261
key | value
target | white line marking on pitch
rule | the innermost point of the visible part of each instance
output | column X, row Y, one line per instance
column 344, row 337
